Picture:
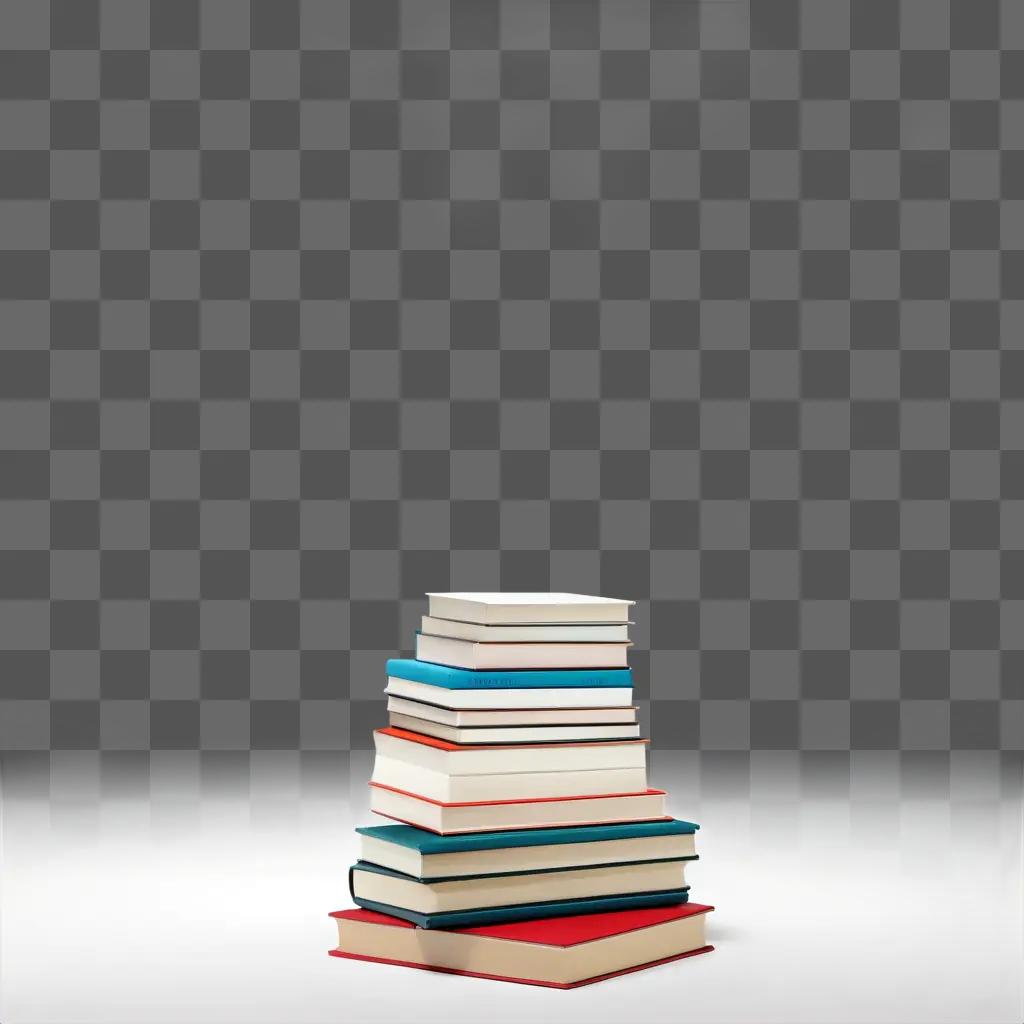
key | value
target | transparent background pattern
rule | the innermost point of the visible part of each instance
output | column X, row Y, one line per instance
column 309, row 306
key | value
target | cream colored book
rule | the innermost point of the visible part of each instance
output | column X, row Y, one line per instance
column 539, row 697
column 557, row 633
column 436, row 755
column 443, row 650
column 518, row 608
column 514, row 733
column 511, row 716
column 507, row 890
column 452, row 818
column 454, row 789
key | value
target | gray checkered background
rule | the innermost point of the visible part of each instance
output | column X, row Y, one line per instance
column 309, row 307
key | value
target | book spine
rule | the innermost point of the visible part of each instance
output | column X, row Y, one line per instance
column 580, row 835
column 529, row 679
column 430, row 879
column 526, row 911
column 474, row 842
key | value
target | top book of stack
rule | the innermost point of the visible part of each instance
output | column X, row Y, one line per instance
column 508, row 609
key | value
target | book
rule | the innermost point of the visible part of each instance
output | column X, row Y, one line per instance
column 457, row 902
column 556, row 952
column 515, row 778
column 468, row 718
column 468, row 736
column 437, row 755
column 512, row 607
column 428, row 857
column 468, row 654
column 452, row 678
column 582, row 697
column 455, row 818
column 446, row 788
column 557, row 633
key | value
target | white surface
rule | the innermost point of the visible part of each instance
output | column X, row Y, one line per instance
column 830, row 909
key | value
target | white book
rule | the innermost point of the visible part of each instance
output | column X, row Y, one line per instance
column 443, row 650
column 555, row 633
column 450, row 759
column 514, row 733
column 447, row 818
column 541, row 697
column 509, row 890
column 455, row 789
column 518, row 607
column 511, row 716
column 548, row 857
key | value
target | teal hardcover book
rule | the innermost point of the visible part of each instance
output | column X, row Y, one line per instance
column 513, row 912
column 505, row 679
column 430, row 843
column 529, row 911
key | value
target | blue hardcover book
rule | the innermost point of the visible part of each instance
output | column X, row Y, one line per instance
column 392, row 892
column 506, row 679
column 432, row 858
column 431, row 843
column 529, row 911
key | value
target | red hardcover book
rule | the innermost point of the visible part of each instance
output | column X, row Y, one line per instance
column 559, row 952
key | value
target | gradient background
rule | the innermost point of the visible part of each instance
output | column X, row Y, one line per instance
column 308, row 307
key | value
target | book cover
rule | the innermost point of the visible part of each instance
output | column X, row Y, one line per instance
column 566, row 930
column 463, row 781
column 511, row 717
column 454, row 748
column 460, row 818
column 529, row 911
column 509, row 679
column 520, row 655
column 528, row 800
column 380, row 869
column 553, row 937
column 431, row 843
column 552, row 633
column 523, row 607
column 475, row 735
column 512, row 699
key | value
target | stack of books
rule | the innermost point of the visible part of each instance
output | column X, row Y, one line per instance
column 529, row 846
